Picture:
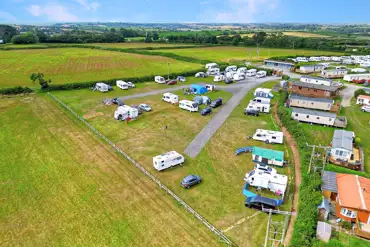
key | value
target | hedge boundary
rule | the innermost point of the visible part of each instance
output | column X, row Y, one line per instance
column 16, row 90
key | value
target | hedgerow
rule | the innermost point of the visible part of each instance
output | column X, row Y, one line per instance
column 15, row 90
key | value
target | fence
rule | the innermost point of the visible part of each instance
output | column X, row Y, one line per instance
column 213, row 229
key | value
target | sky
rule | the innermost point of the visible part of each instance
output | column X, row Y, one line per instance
column 180, row 11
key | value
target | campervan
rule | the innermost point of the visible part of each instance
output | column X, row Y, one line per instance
column 170, row 98
column 213, row 71
column 238, row 77
column 261, row 100
column 261, row 74
column 242, row 70
column 251, row 72
column 167, row 160
column 211, row 66
column 268, row 136
column 219, row 78
column 159, row 79
column 230, row 74
column 261, row 107
column 188, row 105
column 231, row 68
column 102, row 87
column 122, row 84
column 125, row 112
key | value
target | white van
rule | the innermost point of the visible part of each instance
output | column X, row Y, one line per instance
column 159, row 79
column 122, row 84
column 101, row 87
column 261, row 74
column 261, row 107
column 242, row 70
column 238, row 77
column 188, row 105
column 261, row 100
column 211, row 65
column 124, row 112
column 170, row 98
column 268, row 136
column 219, row 78
column 231, row 68
column 213, row 71
column 251, row 72
column 167, row 160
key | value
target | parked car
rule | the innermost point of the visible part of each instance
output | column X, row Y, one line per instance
column 216, row 103
column 228, row 80
column 130, row 84
column 201, row 75
column 365, row 108
column 206, row 111
column 181, row 78
column 260, row 202
column 252, row 112
column 190, row 181
column 145, row 107
column 171, row 82
column 139, row 111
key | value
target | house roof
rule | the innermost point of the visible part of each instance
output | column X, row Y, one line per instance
column 329, row 181
column 342, row 139
column 315, row 86
column 316, row 78
column 268, row 153
column 364, row 96
column 324, row 204
column 353, row 191
column 323, row 100
column 314, row 112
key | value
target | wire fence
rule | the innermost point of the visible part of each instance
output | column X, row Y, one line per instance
column 212, row 228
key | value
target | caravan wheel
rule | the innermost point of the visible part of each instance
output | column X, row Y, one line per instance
column 120, row 117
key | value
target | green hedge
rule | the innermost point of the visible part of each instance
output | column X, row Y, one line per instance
column 15, row 90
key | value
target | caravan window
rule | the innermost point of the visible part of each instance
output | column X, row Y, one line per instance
column 296, row 114
column 308, row 116
column 318, row 118
column 273, row 137
column 259, row 135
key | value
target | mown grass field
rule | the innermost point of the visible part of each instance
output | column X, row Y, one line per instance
column 61, row 186
column 67, row 65
column 230, row 53
column 219, row 198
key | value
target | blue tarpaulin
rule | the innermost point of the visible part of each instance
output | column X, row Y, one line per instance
column 198, row 89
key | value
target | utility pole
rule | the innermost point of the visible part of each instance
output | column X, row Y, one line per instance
column 168, row 66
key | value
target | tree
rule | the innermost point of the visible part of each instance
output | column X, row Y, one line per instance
column 259, row 37
column 148, row 39
column 237, row 38
column 155, row 36
column 41, row 35
column 40, row 77
column 26, row 38
column 7, row 32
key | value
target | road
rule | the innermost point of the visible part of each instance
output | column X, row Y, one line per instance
column 347, row 93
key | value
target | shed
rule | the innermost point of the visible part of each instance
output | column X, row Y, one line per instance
column 324, row 209
column 268, row 156
column 323, row 231
column 198, row 89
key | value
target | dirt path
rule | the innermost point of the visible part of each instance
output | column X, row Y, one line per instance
column 297, row 176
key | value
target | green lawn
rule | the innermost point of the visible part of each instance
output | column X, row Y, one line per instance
column 67, row 65
column 61, row 186
column 230, row 53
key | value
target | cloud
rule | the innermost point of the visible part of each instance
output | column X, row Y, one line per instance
column 53, row 11
column 7, row 17
column 87, row 5
column 246, row 10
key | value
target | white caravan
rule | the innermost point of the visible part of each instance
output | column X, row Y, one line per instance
column 238, row 77
column 261, row 74
column 167, row 160
column 170, row 98
column 263, row 92
column 268, row 136
column 211, row 66
column 301, row 59
column 261, row 100
column 124, row 112
column 231, row 68
column 336, row 59
column 122, row 85
column 251, row 72
column 266, row 177
column 159, row 79
column 213, row 71
column 101, row 87
column 188, row 105
column 261, row 107
column 219, row 78
column 242, row 70
column 230, row 74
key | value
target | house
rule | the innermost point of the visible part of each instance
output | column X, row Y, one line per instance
column 323, row 231
column 334, row 73
column 306, row 69
column 314, row 90
column 198, row 89
column 268, row 156
column 323, row 104
column 363, row 100
column 279, row 64
column 316, row 80
column 352, row 77
column 263, row 92
column 318, row 117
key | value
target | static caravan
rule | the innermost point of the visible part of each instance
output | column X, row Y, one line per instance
column 231, row 68
column 126, row 112
column 261, row 74
column 170, row 98
column 188, row 105
column 312, row 116
column 358, row 70
column 279, row 64
column 322, row 104
column 159, row 79
column 363, row 100
column 352, row 77
column 314, row 90
column 261, row 107
column 238, row 77
column 311, row 68
column 211, row 66
column 336, row 59
column 314, row 59
column 167, row 160
column 365, row 64
column 341, row 146
column 334, row 73
column 242, row 70
column 301, row 59
column 251, row 72
column 263, row 92
column 316, row 80
column 268, row 136
column 261, row 100
column 268, row 156
column 218, row 78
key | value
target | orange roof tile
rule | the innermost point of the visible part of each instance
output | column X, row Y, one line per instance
column 364, row 96
column 353, row 191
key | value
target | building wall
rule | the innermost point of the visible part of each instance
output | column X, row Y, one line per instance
column 364, row 102
column 313, row 119
column 315, row 93
column 363, row 216
column 310, row 104
column 333, row 150
column 316, row 81
column 352, row 77
column 333, row 74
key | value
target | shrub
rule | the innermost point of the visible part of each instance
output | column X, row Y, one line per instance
column 359, row 92
column 15, row 90
column 346, row 225
column 286, row 77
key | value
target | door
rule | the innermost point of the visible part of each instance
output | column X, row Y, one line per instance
column 265, row 161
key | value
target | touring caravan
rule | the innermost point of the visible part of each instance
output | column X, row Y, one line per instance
column 238, row 77
column 242, row 70
column 213, row 71
column 231, row 68
column 159, row 79
column 102, row 87
column 261, row 74
column 230, row 74
column 261, row 100
column 251, row 72
column 268, row 136
column 170, row 98
column 219, row 78
column 167, row 160
column 188, row 105
column 122, row 84
column 261, row 107
column 126, row 112
column 211, row 66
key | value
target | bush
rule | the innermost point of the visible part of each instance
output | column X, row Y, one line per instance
column 359, row 92
column 15, row 90
column 26, row 38
column 285, row 77
column 346, row 225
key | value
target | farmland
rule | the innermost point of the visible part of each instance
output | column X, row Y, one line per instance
column 139, row 45
column 61, row 186
column 228, row 53
column 306, row 35
column 67, row 65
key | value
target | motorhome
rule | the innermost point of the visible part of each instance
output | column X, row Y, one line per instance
column 170, row 98
column 230, row 74
column 261, row 107
column 261, row 74
column 211, row 66
column 122, row 84
column 238, row 77
column 265, row 177
column 251, row 72
column 167, row 160
column 242, row 70
column 213, row 71
column 268, row 136
column 188, row 105
column 218, row 78
column 159, row 79
column 231, row 68
column 102, row 87
column 261, row 100
column 126, row 112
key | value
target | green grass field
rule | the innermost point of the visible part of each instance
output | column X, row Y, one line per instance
column 67, row 65
column 230, row 53
column 138, row 45
column 61, row 186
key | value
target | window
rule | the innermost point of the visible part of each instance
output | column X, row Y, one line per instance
column 308, row 116
column 296, row 114
column 274, row 137
column 318, row 118
column 348, row 213
column 300, row 88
